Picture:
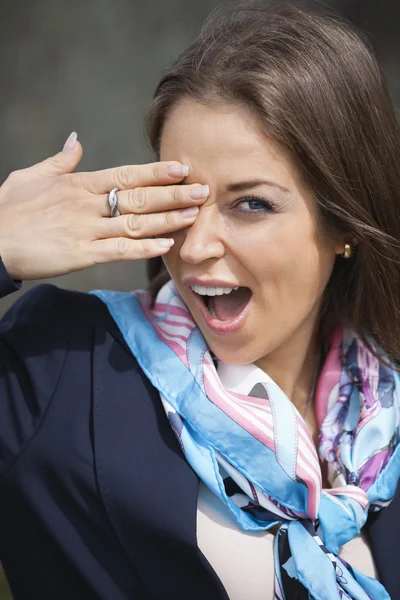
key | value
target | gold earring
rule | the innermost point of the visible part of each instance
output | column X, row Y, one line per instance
column 347, row 251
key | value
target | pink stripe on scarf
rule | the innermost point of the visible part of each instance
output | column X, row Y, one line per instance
column 330, row 375
column 353, row 492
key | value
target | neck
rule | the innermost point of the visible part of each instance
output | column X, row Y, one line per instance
column 294, row 366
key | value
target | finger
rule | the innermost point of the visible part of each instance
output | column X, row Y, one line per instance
column 115, row 249
column 131, row 176
column 140, row 226
column 145, row 200
column 64, row 162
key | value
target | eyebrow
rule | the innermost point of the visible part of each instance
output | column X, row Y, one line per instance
column 246, row 185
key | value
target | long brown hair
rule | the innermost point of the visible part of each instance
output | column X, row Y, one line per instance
column 315, row 86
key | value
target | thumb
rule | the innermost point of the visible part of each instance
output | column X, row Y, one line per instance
column 65, row 161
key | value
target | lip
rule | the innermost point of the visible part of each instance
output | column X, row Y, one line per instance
column 222, row 327
column 188, row 281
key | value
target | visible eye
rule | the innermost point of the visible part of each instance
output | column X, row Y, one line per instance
column 255, row 204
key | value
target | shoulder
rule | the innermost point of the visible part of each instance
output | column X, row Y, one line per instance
column 45, row 304
column 47, row 323
column 47, row 339
column 47, row 316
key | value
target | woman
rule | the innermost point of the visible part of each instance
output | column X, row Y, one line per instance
column 164, row 444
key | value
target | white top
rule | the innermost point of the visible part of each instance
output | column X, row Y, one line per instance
column 244, row 560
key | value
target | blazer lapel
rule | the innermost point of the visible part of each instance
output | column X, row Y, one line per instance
column 148, row 489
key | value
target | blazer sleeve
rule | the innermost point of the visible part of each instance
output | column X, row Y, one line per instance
column 33, row 346
column 7, row 285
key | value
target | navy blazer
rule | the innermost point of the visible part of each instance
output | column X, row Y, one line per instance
column 96, row 497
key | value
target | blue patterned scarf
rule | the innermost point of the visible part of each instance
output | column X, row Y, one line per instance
column 256, row 454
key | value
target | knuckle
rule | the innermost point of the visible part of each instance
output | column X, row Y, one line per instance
column 154, row 172
column 138, row 199
column 146, row 247
column 16, row 176
column 176, row 192
column 134, row 224
column 124, row 177
column 171, row 217
column 57, row 162
column 73, row 180
column 122, row 247
column 13, row 176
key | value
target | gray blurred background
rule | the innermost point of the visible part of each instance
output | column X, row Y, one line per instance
column 92, row 65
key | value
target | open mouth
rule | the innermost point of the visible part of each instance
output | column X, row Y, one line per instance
column 224, row 312
column 226, row 307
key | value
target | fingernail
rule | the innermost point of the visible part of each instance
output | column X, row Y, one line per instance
column 166, row 242
column 71, row 141
column 188, row 213
column 200, row 191
column 178, row 171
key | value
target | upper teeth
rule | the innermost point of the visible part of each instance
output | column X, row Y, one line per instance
column 212, row 291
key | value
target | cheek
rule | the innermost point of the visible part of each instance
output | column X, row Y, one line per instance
column 289, row 267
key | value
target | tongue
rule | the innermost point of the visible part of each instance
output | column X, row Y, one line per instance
column 228, row 306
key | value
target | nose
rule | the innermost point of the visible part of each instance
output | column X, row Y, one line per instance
column 203, row 239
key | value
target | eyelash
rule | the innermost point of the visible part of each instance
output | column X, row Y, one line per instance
column 268, row 206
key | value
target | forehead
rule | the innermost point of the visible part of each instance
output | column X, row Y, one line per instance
column 221, row 138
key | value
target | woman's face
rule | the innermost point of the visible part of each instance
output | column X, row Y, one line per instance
column 257, row 230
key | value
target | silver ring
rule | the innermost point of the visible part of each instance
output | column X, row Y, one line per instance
column 113, row 202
